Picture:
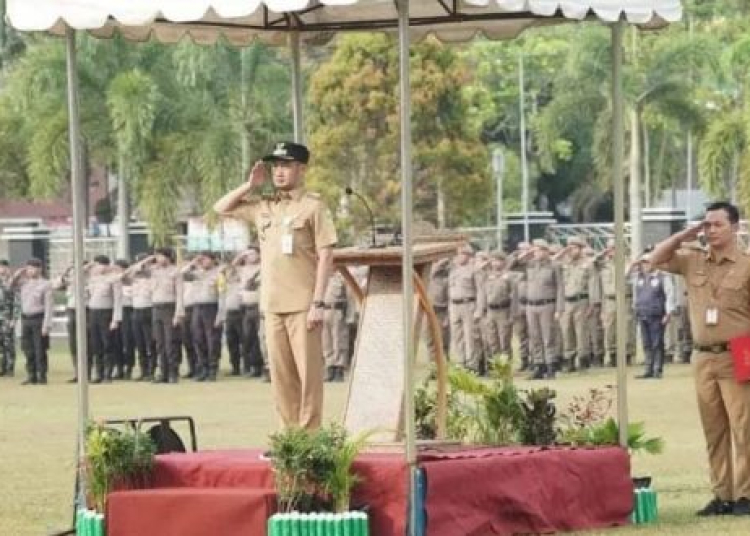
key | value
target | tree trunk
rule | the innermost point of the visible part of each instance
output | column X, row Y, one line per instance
column 636, row 225
column 734, row 177
column 650, row 187
column 440, row 205
column 123, row 212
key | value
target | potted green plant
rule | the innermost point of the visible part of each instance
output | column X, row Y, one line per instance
column 313, row 476
column 116, row 459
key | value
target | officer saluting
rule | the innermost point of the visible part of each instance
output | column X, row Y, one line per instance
column 296, row 236
column 36, row 318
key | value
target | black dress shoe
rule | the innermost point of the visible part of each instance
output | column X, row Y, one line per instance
column 716, row 507
column 644, row 376
column 741, row 507
column 72, row 380
column 539, row 371
column 42, row 380
column 29, row 381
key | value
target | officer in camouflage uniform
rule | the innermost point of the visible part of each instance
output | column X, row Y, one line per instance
column 7, row 322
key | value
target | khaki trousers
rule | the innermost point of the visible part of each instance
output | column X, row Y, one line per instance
column 542, row 327
column 295, row 358
column 575, row 325
column 724, row 407
column 609, row 318
column 335, row 338
column 442, row 317
column 464, row 335
column 498, row 328
column 521, row 331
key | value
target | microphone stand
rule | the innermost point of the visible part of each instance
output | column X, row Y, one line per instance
column 350, row 192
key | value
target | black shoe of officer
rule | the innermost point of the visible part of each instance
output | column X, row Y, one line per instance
column 716, row 507
column 741, row 507
column 200, row 376
column 42, row 380
column 644, row 376
column 539, row 371
column 235, row 371
column 31, row 380
column 330, row 374
column 339, row 375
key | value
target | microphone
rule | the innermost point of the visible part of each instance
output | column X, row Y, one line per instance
column 348, row 190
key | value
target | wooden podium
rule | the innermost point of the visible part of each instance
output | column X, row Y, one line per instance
column 376, row 385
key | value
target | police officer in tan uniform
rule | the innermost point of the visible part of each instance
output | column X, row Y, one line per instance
column 296, row 236
column 463, row 289
column 544, row 304
column 233, row 322
column 581, row 294
column 498, row 305
column 35, row 293
column 517, row 272
column 718, row 282
column 335, row 330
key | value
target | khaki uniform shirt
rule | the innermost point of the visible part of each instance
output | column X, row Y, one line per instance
column 291, row 230
column 544, row 283
column 36, row 298
column 207, row 288
column 464, row 282
column 715, row 282
column 104, row 291
column 581, row 281
column 437, row 288
column 500, row 291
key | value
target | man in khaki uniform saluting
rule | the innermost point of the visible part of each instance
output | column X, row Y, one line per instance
column 544, row 303
column 296, row 236
column 463, row 288
column 718, row 282
column 581, row 288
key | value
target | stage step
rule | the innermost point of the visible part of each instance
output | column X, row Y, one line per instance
column 189, row 511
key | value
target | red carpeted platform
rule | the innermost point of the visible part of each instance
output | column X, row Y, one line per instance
column 477, row 492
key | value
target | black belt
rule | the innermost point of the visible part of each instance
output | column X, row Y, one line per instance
column 465, row 300
column 718, row 348
column 164, row 306
column 536, row 303
column 579, row 297
column 337, row 306
column 440, row 308
column 523, row 301
column 499, row 306
column 32, row 317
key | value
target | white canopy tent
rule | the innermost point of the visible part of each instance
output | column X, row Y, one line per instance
column 241, row 22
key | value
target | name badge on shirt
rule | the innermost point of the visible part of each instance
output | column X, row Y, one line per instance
column 287, row 243
column 287, row 239
column 712, row 316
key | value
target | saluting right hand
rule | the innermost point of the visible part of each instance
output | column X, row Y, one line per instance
column 691, row 233
column 257, row 175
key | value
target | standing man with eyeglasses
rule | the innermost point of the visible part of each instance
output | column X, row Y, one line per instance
column 297, row 236
column 718, row 282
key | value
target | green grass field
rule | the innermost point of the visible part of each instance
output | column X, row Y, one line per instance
column 38, row 427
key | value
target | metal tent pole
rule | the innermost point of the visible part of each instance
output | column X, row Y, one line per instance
column 299, row 122
column 76, row 173
column 618, row 144
column 408, row 260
